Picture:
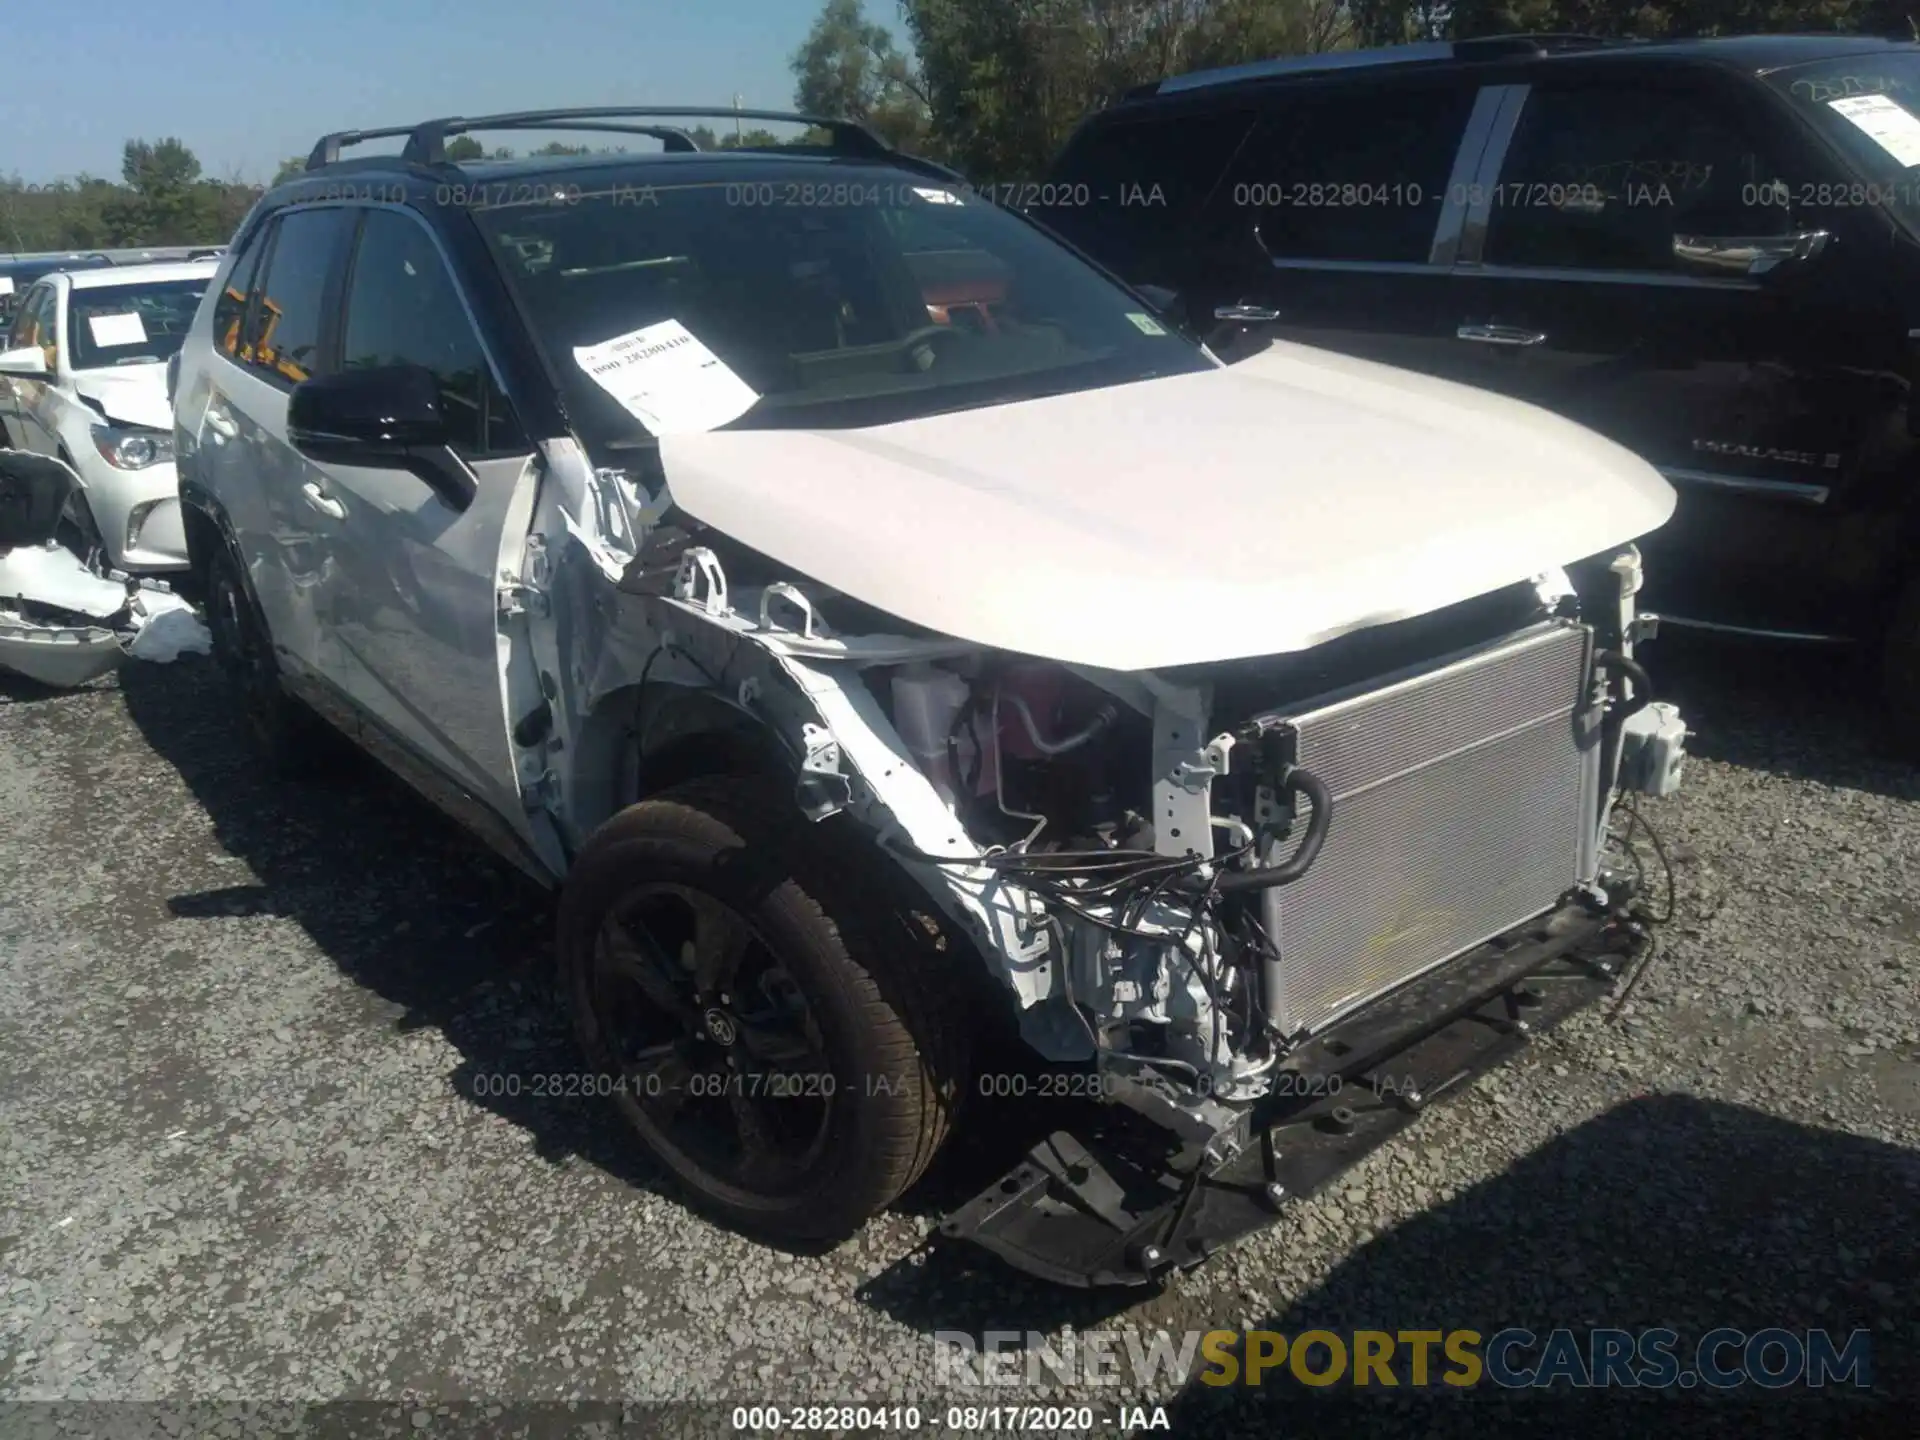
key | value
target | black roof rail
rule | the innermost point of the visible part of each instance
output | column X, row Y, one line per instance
column 326, row 150
column 1484, row 47
column 1499, row 47
column 427, row 140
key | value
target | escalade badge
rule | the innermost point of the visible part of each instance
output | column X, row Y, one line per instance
column 1759, row 452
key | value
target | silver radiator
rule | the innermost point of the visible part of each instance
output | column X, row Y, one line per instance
column 1464, row 803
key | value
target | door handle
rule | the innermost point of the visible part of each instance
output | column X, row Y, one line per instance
column 1246, row 314
column 1752, row 255
column 323, row 502
column 220, row 425
column 1501, row 335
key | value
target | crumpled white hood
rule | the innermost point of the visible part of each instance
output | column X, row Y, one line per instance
column 130, row 394
column 1261, row 508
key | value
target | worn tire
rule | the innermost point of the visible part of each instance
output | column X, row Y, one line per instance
column 870, row 971
column 1900, row 674
column 290, row 740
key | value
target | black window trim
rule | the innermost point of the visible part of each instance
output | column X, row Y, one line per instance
column 525, row 444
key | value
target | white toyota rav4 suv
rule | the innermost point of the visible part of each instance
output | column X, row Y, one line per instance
column 879, row 623
column 83, row 380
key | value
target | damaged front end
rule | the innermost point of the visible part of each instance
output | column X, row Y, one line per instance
column 63, row 622
column 1274, row 907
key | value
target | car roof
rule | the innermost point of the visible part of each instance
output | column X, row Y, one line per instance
column 47, row 264
column 1751, row 54
column 501, row 179
column 110, row 276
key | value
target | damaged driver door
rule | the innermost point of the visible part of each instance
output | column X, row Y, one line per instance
column 416, row 513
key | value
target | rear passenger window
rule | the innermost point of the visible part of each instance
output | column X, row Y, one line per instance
column 1131, row 193
column 1351, row 174
column 1604, row 179
column 287, row 323
column 403, row 309
column 230, row 308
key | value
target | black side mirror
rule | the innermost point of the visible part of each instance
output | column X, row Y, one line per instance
column 375, row 416
column 386, row 416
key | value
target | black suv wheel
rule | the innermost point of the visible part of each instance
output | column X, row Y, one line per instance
column 289, row 737
column 763, row 1017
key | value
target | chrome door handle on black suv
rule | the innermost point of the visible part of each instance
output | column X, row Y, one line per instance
column 1501, row 335
column 1748, row 254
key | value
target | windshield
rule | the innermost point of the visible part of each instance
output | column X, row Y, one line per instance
column 858, row 299
column 130, row 324
column 1869, row 105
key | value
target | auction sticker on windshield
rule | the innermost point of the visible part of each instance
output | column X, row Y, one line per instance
column 117, row 329
column 1887, row 123
column 666, row 379
column 1146, row 324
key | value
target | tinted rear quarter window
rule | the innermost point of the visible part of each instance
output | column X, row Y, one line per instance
column 288, row 321
column 1350, row 173
column 1130, row 191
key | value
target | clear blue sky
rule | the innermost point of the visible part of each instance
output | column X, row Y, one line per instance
column 245, row 83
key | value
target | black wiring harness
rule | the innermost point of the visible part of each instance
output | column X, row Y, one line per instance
column 1636, row 822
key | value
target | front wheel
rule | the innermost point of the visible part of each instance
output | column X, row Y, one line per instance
column 289, row 738
column 764, row 1019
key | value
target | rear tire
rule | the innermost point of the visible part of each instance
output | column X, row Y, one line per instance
column 290, row 739
column 709, row 928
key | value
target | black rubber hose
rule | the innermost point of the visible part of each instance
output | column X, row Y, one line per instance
column 1237, row 882
column 1634, row 671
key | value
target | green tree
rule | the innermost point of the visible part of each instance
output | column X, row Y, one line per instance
column 164, row 201
column 850, row 69
column 465, row 147
column 290, row 167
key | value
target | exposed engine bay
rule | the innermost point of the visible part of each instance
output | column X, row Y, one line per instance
column 1195, row 881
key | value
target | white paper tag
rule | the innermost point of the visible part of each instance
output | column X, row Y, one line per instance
column 936, row 197
column 6, row 284
column 1890, row 125
column 1146, row 324
column 117, row 329
column 665, row 378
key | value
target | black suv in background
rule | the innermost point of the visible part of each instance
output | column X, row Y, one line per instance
column 1707, row 250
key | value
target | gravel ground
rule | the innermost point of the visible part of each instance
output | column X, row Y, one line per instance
column 246, row 1153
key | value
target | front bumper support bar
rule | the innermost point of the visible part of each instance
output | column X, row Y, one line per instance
column 1116, row 1206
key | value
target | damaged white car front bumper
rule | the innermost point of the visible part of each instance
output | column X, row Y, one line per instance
column 62, row 623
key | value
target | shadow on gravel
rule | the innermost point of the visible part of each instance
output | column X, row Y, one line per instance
column 1665, row 1212
column 1804, row 713
column 404, row 903
column 19, row 690
column 400, row 899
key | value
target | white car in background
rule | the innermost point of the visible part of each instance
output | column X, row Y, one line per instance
column 83, row 381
